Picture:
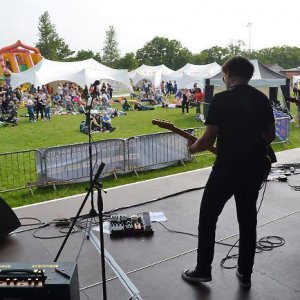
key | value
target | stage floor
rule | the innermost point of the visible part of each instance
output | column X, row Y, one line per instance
column 154, row 264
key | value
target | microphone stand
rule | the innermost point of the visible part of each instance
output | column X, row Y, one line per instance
column 98, row 186
column 94, row 183
column 90, row 101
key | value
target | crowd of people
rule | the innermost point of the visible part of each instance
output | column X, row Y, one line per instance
column 184, row 98
column 70, row 98
column 9, row 103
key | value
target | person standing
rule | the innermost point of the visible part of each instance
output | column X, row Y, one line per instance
column 198, row 96
column 241, row 120
column 175, row 88
column 40, row 106
column 48, row 108
column 185, row 101
column 162, row 87
column 30, row 108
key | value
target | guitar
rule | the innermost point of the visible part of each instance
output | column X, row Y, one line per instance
column 168, row 125
column 293, row 100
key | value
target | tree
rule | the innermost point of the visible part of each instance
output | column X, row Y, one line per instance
column 235, row 48
column 163, row 51
column 86, row 54
column 285, row 56
column 128, row 61
column 111, row 53
column 50, row 44
column 215, row 54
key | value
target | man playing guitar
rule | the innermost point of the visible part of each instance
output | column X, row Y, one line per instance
column 241, row 120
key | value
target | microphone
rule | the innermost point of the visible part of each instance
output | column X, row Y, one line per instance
column 96, row 82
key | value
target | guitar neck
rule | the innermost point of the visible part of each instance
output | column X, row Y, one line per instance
column 184, row 134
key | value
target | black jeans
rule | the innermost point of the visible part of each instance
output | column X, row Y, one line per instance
column 225, row 181
column 185, row 104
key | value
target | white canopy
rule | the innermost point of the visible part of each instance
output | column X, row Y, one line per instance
column 150, row 73
column 262, row 77
column 80, row 72
column 190, row 74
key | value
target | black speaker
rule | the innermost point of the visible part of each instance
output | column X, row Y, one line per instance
column 8, row 219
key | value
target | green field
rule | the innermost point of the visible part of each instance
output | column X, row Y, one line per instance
column 62, row 130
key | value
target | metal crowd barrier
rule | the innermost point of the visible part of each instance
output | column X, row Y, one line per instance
column 70, row 163
column 152, row 150
column 18, row 170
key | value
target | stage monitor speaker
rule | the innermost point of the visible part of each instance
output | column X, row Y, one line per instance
column 8, row 219
column 39, row 281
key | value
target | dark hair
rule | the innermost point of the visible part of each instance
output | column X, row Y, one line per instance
column 238, row 66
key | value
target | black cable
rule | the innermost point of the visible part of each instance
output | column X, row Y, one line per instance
column 264, row 244
column 55, row 236
column 177, row 231
column 30, row 224
column 34, row 228
column 154, row 200
column 267, row 243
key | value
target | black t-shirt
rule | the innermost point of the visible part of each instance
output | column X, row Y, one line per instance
column 241, row 113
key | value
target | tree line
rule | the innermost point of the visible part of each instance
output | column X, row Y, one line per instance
column 159, row 50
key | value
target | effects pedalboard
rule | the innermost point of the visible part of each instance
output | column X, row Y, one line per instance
column 122, row 225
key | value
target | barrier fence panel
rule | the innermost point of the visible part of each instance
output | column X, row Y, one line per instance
column 152, row 150
column 30, row 168
column 282, row 127
column 17, row 170
column 71, row 163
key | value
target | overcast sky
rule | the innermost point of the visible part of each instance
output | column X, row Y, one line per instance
column 196, row 24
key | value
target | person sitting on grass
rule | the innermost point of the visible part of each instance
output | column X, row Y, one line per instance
column 96, row 122
column 70, row 108
column 140, row 107
column 81, row 108
column 158, row 95
column 126, row 106
column 58, row 109
column 106, row 124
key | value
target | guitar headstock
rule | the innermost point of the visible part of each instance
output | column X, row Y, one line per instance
column 163, row 124
column 292, row 99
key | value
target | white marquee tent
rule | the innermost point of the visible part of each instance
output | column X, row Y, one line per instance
column 80, row 72
column 151, row 73
column 190, row 74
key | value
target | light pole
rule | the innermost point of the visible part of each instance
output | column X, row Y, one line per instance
column 249, row 24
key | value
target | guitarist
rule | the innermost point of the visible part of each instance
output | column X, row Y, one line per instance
column 241, row 120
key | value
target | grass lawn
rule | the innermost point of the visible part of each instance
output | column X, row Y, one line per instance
column 62, row 130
